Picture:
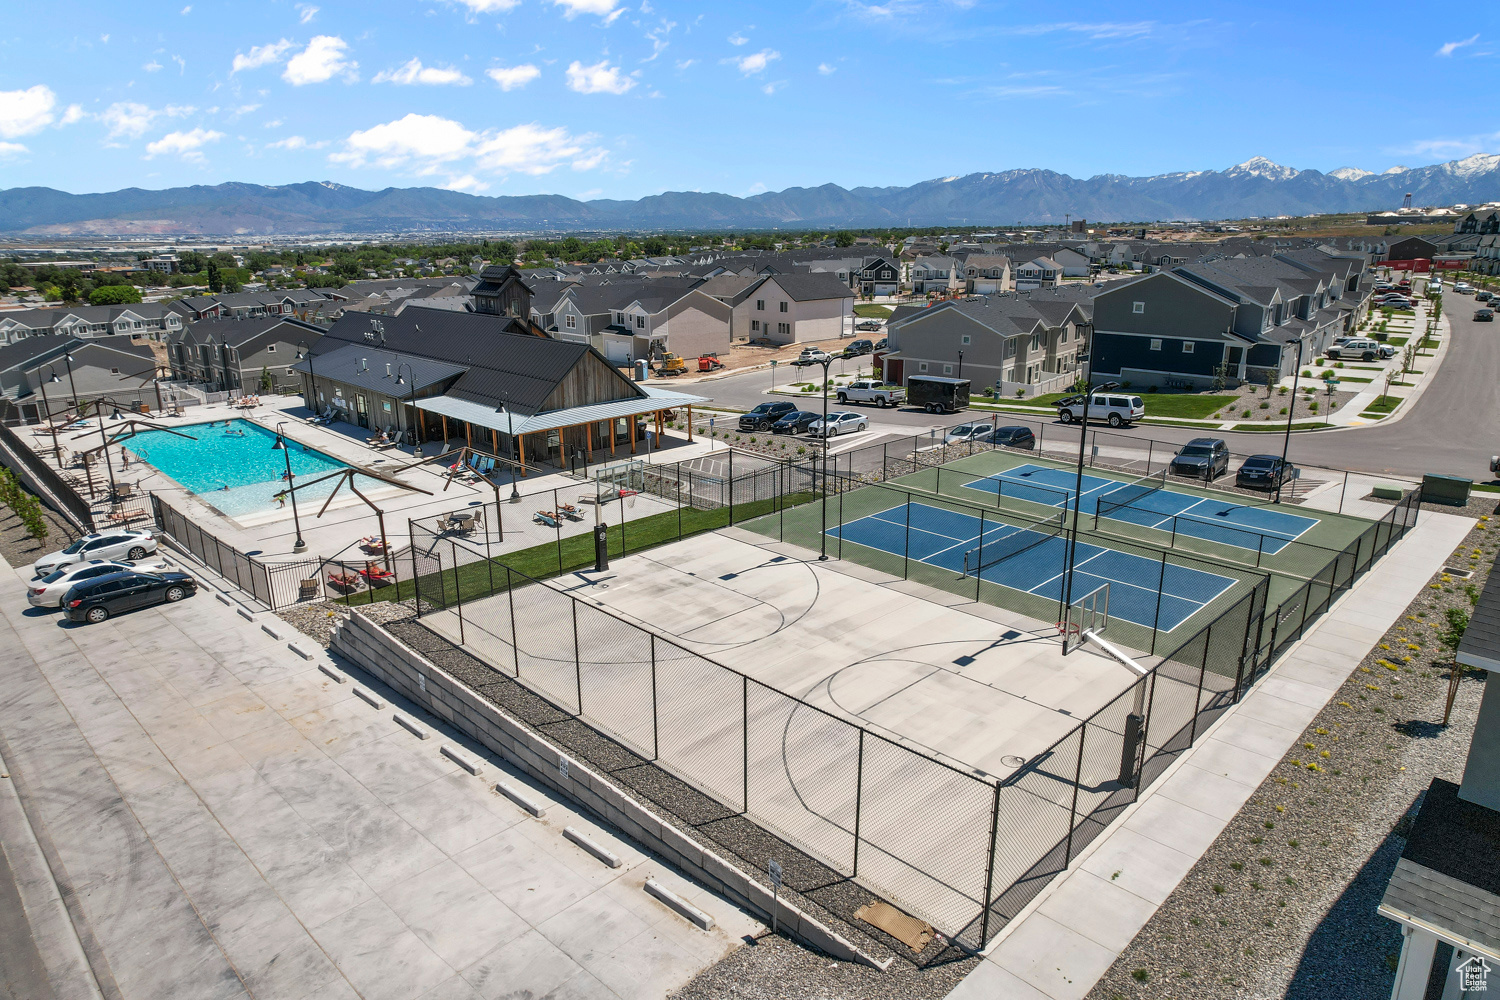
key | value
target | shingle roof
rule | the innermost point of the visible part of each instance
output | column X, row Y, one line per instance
column 240, row 331
column 1481, row 643
column 813, row 285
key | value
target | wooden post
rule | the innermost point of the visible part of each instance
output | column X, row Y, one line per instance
column 468, row 434
column 588, row 441
column 631, row 418
column 445, row 430
column 690, row 423
column 612, row 436
column 521, row 440
column 494, row 442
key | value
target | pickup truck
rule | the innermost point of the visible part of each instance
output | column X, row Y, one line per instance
column 869, row 390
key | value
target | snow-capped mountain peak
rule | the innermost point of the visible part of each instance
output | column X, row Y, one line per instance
column 1479, row 163
column 1259, row 166
column 1350, row 173
column 1395, row 170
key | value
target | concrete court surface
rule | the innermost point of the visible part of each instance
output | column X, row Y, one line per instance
column 226, row 820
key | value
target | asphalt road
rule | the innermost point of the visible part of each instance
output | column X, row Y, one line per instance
column 1435, row 435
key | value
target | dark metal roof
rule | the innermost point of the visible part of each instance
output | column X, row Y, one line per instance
column 356, row 365
column 241, row 331
column 1481, row 643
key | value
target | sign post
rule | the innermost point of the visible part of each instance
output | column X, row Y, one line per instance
column 774, row 868
column 773, row 373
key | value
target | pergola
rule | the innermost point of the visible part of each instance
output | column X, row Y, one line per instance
column 576, row 425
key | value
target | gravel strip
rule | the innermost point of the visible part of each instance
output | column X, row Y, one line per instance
column 20, row 549
column 1479, row 505
column 1283, row 903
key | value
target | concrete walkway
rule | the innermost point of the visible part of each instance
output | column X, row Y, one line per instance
column 1068, row 937
column 226, row 819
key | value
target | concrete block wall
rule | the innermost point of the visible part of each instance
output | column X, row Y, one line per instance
column 387, row 658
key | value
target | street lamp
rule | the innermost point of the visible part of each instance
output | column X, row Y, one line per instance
column 510, row 434
column 286, row 453
column 1286, row 441
column 960, row 364
column 822, row 535
column 400, row 380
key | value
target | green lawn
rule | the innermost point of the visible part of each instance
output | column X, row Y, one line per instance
column 1397, row 341
column 1381, row 407
column 1354, row 378
column 869, row 310
column 1266, row 428
column 1186, row 404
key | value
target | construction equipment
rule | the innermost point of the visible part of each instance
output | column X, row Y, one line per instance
column 672, row 364
column 708, row 363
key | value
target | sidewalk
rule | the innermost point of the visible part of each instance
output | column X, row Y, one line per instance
column 1069, row 936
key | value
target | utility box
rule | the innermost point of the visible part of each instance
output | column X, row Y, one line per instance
column 1451, row 490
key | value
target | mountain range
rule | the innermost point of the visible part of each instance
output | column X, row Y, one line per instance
column 1257, row 187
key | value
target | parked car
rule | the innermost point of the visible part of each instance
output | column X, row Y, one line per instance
column 49, row 591
column 966, row 432
column 1264, row 472
column 872, row 390
column 839, row 422
column 795, row 422
column 1383, row 286
column 763, row 416
column 1394, row 302
column 1015, row 436
column 1113, row 409
column 1483, row 296
column 813, row 355
column 880, row 344
column 1485, row 315
column 1202, row 458
column 95, row 600
column 116, row 543
column 867, row 324
column 1359, row 347
column 859, row 347
column 1463, row 288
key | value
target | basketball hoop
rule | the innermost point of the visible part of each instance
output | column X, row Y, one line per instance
column 1068, row 628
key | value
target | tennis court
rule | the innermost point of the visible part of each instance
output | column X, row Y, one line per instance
column 1147, row 592
column 1149, row 504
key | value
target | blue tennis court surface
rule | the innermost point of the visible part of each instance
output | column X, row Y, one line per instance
column 1256, row 528
column 941, row 538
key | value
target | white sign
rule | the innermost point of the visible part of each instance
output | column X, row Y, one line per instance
column 775, row 871
column 562, row 767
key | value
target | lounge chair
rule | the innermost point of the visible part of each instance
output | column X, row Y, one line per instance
column 547, row 517
column 570, row 512
column 373, row 545
column 377, row 577
column 344, row 581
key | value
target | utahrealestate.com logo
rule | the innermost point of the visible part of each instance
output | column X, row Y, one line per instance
column 1473, row 975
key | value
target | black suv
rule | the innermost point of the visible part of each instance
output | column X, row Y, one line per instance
column 1264, row 472
column 95, row 600
column 1202, row 458
column 1012, row 437
column 795, row 422
column 763, row 416
column 859, row 347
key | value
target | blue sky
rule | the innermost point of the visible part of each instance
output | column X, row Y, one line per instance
column 617, row 99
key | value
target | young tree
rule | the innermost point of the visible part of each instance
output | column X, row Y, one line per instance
column 114, row 295
column 843, row 238
column 215, row 283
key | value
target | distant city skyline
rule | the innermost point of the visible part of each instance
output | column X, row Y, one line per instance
column 604, row 99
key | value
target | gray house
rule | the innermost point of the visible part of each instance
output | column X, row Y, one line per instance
column 238, row 354
column 116, row 371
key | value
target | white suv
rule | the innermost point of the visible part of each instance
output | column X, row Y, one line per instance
column 118, row 543
column 1364, row 350
column 1114, row 409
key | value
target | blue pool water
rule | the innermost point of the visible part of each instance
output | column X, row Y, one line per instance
column 233, row 466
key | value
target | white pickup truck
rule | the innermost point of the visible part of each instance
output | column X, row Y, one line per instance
column 869, row 390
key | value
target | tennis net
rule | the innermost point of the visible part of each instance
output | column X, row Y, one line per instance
column 1130, row 494
column 1010, row 544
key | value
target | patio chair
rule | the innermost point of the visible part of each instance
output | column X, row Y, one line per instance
column 547, row 517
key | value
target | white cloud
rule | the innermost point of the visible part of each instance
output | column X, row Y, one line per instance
column 187, row 10
column 429, row 144
column 600, row 78
column 737, row 39
column 603, row 8
column 1449, row 48
column 325, row 57
column 23, row 112
column 187, row 145
column 12, row 149
column 490, row 6
column 771, row 88
column 181, row 65
column 104, row 39
column 685, row 63
column 152, row 66
column 245, row 109
column 295, row 142
column 74, row 113
column 131, row 120
column 826, row 69
column 414, row 72
column 467, row 183
column 273, row 123
column 261, row 55
column 511, row 77
column 756, row 61
column 306, row 12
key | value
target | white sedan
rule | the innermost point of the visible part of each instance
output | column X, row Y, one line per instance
column 49, row 591
column 116, row 543
column 839, row 423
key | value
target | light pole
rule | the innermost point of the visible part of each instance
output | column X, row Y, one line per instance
column 960, row 364
column 303, row 351
column 416, row 417
column 822, row 535
column 286, row 453
column 510, row 433
column 1286, row 441
column 1083, row 429
column 47, row 405
column 223, row 362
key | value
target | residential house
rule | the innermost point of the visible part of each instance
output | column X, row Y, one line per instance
column 1483, row 223
column 986, row 274
column 1041, row 272
column 1021, row 344
column 940, row 274
column 797, row 308
column 150, row 321
column 1487, row 255
column 238, row 355
column 50, row 373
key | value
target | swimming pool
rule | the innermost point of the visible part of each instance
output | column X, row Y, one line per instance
column 234, row 467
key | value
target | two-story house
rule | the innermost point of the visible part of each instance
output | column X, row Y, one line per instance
column 1040, row 272
column 796, row 308
column 938, row 274
column 240, row 355
column 986, row 274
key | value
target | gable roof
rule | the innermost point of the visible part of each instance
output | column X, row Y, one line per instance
column 812, row 286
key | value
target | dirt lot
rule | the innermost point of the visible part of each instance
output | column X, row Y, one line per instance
column 743, row 356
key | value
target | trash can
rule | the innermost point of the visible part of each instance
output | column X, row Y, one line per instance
column 1451, row 490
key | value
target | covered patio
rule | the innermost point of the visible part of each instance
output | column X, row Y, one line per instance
column 564, row 438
